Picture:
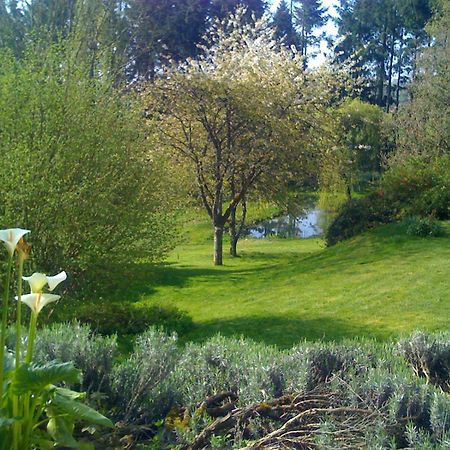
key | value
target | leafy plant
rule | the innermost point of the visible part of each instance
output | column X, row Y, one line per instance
column 90, row 190
column 142, row 390
column 30, row 393
column 418, row 226
column 360, row 214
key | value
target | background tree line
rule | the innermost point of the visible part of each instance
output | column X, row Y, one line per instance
column 223, row 109
column 386, row 35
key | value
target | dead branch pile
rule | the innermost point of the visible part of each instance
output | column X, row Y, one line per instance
column 288, row 422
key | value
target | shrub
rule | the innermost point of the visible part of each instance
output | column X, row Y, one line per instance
column 429, row 356
column 76, row 168
column 419, row 185
column 412, row 186
column 358, row 215
column 222, row 365
column 91, row 353
column 416, row 226
column 142, row 388
column 128, row 318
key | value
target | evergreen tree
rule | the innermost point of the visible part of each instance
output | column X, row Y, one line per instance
column 221, row 8
column 162, row 30
column 386, row 36
column 12, row 27
column 283, row 23
column 308, row 15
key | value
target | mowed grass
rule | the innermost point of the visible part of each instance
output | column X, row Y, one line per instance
column 380, row 284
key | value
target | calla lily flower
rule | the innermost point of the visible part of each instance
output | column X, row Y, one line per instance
column 11, row 237
column 37, row 301
column 38, row 281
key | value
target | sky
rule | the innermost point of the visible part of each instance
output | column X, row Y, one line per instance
column 329, row 28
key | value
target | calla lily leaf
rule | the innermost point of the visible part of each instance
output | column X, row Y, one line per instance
column 36, row 377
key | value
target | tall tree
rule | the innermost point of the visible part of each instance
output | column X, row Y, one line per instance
column 243, row 112
column 424, row 125
column 284, row 26
column 12, row 26
column 161, row 30
column 308, row 15
column 222, row 8
column 386, row 36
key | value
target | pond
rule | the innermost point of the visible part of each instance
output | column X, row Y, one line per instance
column 305, row 225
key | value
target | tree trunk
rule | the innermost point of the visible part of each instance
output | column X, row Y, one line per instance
column 381, row 71
column 391, row 66
column 400, row 60
column 218, row 245
column 233, row 234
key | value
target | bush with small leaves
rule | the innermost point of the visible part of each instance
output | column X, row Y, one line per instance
column 92, row 353
column 429, row 356
column 423, row 227
column 360, row 214
column 222, row 365
column 440, row 416
column 142, row 388
column 419, row 184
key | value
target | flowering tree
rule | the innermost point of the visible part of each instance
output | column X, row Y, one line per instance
column 242, row 113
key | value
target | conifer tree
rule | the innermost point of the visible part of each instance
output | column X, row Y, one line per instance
column 283, row 23
column 309, row 15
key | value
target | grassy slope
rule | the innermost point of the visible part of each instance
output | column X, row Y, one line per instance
column 279, row 291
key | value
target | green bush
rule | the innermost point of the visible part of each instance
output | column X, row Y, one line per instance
column 417, row 226
column 413, row 186
column 429, row 356
column 160, row 380
column 143, row 391
column 74, row 342
column 419, row 185
column 223, row 365
column 128, row 318
column 360, row 214
column 91, row 353
column 76, row 168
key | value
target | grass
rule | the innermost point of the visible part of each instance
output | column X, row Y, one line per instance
column 380, row 284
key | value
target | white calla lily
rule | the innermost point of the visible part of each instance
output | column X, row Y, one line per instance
column 37, row 301
column 56, row 279
column 38, row 281
column 11, row 237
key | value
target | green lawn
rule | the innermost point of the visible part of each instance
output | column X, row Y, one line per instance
column 380, row 284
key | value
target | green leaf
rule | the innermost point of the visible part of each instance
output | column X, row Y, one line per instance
column 61, row 429
column 34, row 378
column 80, row 410
column 68, row 393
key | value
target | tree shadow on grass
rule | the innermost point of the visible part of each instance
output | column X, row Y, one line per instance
column 147, row 278
column 284, row 331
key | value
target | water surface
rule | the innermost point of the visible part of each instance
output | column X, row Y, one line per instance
column 300, row 226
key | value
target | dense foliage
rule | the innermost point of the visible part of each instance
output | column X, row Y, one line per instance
column 413, row 187
column 76, row 167
column 161, row 382
column 358, row 215
column 386, row 36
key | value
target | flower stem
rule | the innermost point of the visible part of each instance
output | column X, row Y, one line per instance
column 16, row 412
column 19, row 312
column 31, row 337
column 4, row 322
